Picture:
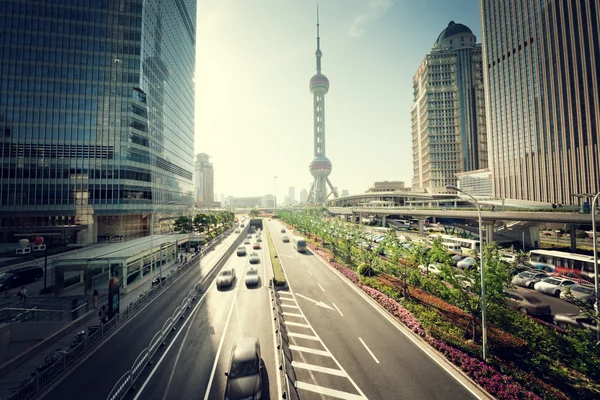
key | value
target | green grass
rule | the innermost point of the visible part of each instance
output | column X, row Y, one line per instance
column 279, row 277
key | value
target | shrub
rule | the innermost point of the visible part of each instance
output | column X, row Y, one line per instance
column 366, row 270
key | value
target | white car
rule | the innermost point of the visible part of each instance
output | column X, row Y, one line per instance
column 433, row 269
column 466, row 263
column 252, row 277
column 528, row 279
column 553, row 286
column 465, row 281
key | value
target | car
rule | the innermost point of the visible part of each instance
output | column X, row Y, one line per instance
column 244, row 375
column 579, row 292
column 241, row 225
column 465, row 281
column 528, row 278
column 19, row 277
column 258, row 239
column 241, row 251
column 466, row 263
column 575, row 321
column 256, row 246
column 252, row 277
column 247, row 241
column 226, row 278
column 526, row 304
column 282, row 230
column 458, row 257
column 249, row 236
column 433, row 269
column 285, row 239
column 254, row 259
column 237, row 231
column 553, row 286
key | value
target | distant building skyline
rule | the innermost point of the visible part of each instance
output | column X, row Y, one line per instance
column 542, row 79
column 448, row 114
column 204, row 180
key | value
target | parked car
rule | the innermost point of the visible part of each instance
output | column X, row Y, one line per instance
column 526, row 304
column 575, row 321
column 285, row 239
column 553, row 286
column 254, row 259
column 252, row 276
column 579, row 292
column 528, row 278
column 241, row 251
column 458, row 257
column 244, row 375
column 465, row 281
column 226, row 278
column 433, row 269
column 256, row 246
column 466, row 263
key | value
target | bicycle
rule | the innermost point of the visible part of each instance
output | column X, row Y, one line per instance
column 55, row 356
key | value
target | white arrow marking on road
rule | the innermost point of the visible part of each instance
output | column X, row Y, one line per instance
column 317, row 303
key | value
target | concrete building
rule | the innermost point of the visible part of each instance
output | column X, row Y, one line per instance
column 292, row 195
column 477, row 183
column 303, row 196
column 204, row 180
column 345, row 192
column 448, row 115
column 542, row 79
column 97, row 117
column 267, row 201
column 386, row 186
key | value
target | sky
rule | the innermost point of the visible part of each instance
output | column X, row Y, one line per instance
column 254, row 111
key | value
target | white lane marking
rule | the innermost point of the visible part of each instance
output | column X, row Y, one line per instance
column 214, row 368
column 286, row 299
column 401, row 327
column 369, row 350
column 285, row 294
column 317, row 303
column 309, row 350
column 320, row 286
column 328, row 392
column 289, row 306
column 289, row 314
column 303, row 336
column 318, row 368
column 309, row 272
column 301, row 262
column 297, row 324
column 338, row 310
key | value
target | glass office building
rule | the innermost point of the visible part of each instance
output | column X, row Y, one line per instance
column 96, row 117
column 542, row 80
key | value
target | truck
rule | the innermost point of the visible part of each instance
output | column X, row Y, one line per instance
column 255, row 224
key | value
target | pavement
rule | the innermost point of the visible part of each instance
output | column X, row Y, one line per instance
column 349, row 348
column 127, row 342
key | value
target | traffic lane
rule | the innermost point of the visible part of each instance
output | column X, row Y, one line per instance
column 117, row 354
column 184, row 370
column 557, row 305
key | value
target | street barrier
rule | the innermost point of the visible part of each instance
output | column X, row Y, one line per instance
column 46, row 374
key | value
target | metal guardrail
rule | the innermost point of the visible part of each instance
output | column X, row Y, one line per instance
column 8, row 315
column 46, row 374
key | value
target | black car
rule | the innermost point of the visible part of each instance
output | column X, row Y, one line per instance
column 244, row 376
column 19, row 277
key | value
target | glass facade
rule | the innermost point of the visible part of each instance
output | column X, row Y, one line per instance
column 96, row 116
column 448, row 116
column 542, row 79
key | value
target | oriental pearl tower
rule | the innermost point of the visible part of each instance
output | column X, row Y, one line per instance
column 320, row 166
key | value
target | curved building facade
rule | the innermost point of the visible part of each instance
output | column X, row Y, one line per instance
column 96, row 116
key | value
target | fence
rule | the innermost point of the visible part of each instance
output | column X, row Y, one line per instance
column 66, row 358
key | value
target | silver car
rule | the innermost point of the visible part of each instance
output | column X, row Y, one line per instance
column 528, row 278
column 579, row 292
column 553, row 286
column 575, row 321
column 226, row 278
column 244, row 376
column 254, row 259
column 241, row 251
column 252, row 277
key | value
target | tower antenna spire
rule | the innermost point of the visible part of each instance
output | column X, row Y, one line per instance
column 318, row 53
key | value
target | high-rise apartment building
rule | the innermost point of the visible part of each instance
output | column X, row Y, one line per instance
column 96, row 116
column 204, row 180
column 542, row 78
column 448, row 114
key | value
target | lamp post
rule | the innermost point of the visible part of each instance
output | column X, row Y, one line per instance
column 483, row 308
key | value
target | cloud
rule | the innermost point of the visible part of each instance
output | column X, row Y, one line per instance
column 375, row 9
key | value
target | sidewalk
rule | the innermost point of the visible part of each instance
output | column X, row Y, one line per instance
column 23, row 371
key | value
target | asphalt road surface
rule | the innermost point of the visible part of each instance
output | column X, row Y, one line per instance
column 345, row 347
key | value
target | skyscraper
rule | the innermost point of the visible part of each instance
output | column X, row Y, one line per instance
column 292, row 194
column 542, row 78
column 96, row 116
column 448, row 114
column 204, row 180
column 303, row 196
column 320, row 166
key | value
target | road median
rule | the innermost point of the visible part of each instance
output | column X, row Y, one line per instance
column 278, row 275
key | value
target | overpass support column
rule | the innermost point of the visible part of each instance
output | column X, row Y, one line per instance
column 421, row 226
column 489, row 232
column 573, row 232
column 383, row 222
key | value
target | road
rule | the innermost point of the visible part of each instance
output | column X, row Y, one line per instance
column 557, row 306
column 95, row 376
column 343, row 346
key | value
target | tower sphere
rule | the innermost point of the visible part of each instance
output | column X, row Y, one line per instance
column 319, row 81
column 320, row 166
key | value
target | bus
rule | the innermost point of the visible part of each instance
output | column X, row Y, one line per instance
column 466, row 245
column 563, row 263
column 452, row 247
column 299, row 244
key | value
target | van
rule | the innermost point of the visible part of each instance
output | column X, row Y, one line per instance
column 299, row 244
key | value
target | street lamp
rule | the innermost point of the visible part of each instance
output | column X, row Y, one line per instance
column 483, row 308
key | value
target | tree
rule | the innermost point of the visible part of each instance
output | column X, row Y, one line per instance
column 201, row 223
column 183, row 224
column 253, row 213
